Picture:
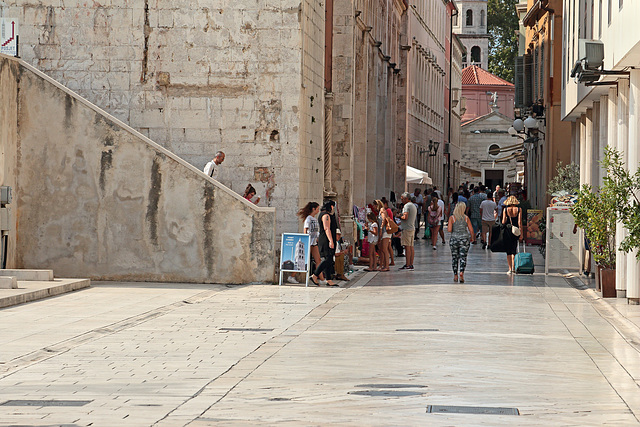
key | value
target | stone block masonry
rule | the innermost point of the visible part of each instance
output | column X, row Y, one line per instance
column 94, row 198
column 244, row 77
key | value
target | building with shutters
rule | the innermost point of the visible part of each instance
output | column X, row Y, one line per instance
column 538, row 93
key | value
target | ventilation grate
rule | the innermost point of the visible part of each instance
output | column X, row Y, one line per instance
column 438, row 409
column 45, row 403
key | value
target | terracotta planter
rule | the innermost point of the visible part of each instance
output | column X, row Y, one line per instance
column 608, row 282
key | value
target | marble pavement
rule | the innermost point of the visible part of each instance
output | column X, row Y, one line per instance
column 381, row 350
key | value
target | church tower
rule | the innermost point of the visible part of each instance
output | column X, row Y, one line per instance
column 471, row 26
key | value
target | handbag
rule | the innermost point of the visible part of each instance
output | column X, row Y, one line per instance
column 515, row 231
column 392, row 227
column 498, row 243
column 427, row 232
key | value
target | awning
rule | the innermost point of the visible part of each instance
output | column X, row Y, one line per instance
column 416, row 176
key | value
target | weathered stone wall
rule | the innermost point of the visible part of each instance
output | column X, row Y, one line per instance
column 197, row 77
column 8, row 136
column 96, row 199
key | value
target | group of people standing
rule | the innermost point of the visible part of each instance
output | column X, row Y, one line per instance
column 471, row 215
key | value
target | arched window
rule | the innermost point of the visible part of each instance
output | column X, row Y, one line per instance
column 482, row 18
column 475, row 54
column 469, row 18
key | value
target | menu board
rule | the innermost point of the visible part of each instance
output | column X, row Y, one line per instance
column 563, row 245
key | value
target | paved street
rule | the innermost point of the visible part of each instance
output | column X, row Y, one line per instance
column 379, row 352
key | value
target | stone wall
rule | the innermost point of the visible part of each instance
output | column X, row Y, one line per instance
column 94, row 198
column 244, row 77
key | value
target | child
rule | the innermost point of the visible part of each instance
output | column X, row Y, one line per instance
column 372, row 226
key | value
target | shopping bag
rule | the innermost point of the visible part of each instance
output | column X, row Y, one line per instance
column 523, row 262
column 427, row 232
column 498, row 243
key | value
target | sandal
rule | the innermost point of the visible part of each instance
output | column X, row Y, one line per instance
column 314, row 281
column 386, row 269
column 455, row 278
column 332, row 284
column 461, row 278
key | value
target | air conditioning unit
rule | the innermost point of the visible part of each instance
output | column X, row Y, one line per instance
column 591, row 52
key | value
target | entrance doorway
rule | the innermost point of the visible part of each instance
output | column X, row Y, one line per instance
column 494, row 177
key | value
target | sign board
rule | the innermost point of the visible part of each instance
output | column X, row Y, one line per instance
column 563, row 244
column 534, row 235
column 294, row 255
column 9, row 36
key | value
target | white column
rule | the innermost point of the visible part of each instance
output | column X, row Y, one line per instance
column 588, row 146
column 623, row 139
column 612, row 142
column 633, row 266
column 583, row 149
column 575, row 142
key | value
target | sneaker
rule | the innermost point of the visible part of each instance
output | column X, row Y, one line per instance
column 292, row 279
column 484, row 245
column 410, row 268
column 435, row 249
column 404, row 267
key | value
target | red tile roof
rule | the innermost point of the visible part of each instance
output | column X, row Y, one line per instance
column 474, row 75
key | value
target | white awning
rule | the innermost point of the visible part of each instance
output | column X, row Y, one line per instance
column 416, row 176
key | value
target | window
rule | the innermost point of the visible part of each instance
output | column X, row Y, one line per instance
column 482, row 18
column 475, row 54
column 494, row 150
column 470, row 17
column 455, row 19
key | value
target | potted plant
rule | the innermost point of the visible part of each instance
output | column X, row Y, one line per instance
column 626, row 187
column 595, row 213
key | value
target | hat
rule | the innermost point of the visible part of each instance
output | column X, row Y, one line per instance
column 338, row 231
column 512, row 201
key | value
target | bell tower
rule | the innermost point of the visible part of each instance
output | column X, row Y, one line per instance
column 471, row 26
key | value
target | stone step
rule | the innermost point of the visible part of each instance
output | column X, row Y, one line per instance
column 8, row 282
column 29, row 275
column 28, row 291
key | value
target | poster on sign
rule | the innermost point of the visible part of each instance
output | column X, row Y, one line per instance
column 563, row 245
column 294, row 258
column 534, row 234
column 9, row 36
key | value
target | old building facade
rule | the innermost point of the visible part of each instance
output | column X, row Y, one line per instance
column 606, row 114
column 488, row 151
column 427, row 33
column 308, row 99
column 539, row 94
column 243, row 77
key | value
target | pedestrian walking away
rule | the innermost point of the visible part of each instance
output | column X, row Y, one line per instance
column 488, row 210
column 461, row 237
column 512, row 217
